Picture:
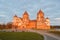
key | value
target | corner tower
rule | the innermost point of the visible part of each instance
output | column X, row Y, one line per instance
column 47, row 21
column 15, row 24
column 15, row 20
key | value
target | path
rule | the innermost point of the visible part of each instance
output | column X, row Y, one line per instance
column 46, row 35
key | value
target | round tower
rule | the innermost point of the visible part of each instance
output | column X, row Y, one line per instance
column 15, row 18
column 14, row 25
column 47, row 23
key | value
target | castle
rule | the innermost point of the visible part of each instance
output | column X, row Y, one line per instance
column 25, row 23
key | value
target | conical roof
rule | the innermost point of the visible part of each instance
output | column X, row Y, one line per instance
column 15, row 15
column 47, row 18
column 40, row 12
column 25, row 13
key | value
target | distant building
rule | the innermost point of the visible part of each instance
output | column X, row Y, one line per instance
column 25, row 23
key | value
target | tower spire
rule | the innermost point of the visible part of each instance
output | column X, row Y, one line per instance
column 25, row 13
column 40, row 12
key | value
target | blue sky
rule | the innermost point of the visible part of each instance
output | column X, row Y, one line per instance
column 51, row 9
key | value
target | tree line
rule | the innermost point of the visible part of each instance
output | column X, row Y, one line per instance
column 6, row 26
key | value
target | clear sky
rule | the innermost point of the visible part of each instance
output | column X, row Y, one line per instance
column 51, row 9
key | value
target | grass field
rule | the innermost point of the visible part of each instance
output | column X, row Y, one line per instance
column 20, row 36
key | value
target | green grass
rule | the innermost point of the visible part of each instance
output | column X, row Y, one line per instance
column 20, row 36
